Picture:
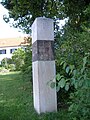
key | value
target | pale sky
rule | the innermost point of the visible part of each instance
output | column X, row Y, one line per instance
column 5, row 30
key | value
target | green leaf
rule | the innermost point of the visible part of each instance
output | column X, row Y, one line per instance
column 74, row 72
column 62, row 62
column 67, row 86
column 67, row 69
column 64, row 65
column 74, row 118
column 67, row 80
column 72, row 81
column 52, row 85
column 84, row 60
column 71, row 107
column 71, row 68
column 62, row 83
column 58, row 76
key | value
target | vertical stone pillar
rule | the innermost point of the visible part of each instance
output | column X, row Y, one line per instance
column 45, row 99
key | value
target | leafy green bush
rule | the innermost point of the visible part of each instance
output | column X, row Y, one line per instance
column 27, row 66
column 11, row 67
column 80, row 106
column 73, row 86
column 64, row 83
column 5, row 62
column 65, row 78
column 79, row 97
column 70, row 49
column 18, row 58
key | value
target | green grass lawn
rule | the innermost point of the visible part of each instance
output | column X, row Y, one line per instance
column 16, row 100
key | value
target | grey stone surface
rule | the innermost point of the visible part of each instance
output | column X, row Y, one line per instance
column 45, row 98
column 42, row 29
column 42, row 50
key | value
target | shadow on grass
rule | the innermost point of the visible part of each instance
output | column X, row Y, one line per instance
column 9, row 76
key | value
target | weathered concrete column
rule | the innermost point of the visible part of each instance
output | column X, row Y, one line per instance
column 45, row 99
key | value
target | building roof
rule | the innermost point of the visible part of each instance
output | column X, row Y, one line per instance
column 9, row 42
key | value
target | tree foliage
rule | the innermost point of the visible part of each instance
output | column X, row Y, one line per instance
column 80, row 104
column 25, row 12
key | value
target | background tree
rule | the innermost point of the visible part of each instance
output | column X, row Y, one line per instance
column 25, row 12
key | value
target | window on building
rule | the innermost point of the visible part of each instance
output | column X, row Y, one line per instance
column 3, row 51
column 12, row 50
column 24, row 48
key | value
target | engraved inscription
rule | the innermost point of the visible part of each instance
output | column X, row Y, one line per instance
column 43, row 50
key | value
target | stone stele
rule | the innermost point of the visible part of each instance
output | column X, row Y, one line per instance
column 43, row 65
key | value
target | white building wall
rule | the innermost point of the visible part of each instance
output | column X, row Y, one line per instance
column 8, row 54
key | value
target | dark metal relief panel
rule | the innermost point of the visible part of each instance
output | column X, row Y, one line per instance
column 43, row 50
